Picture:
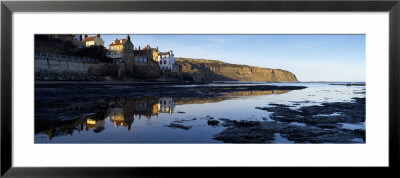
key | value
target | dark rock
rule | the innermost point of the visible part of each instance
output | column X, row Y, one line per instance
column 99, row 129
column 318, row 129
column 360, row 132
column 279, row 105
column 212, row 122
column 351, row 112
column 179, row 126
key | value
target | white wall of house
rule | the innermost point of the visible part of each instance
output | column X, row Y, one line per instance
column 167, row 105
column 77, row 37
column 97, row 42
column 166, row 60
column 89, row 43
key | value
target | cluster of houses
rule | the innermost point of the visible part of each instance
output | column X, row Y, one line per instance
column 123, row 50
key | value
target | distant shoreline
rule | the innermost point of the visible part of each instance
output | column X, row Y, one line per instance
column 55, row 82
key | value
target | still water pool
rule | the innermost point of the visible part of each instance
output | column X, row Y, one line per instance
column 155, row 119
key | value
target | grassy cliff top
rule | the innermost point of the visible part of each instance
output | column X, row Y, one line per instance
column 210, row 61
column 192, row 60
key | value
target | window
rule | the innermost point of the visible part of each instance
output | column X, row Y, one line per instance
column 165, row 61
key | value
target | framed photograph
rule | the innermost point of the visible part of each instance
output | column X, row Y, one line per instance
column 140, row 88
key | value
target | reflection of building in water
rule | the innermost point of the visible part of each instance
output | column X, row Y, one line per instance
column 53, row 132
column 136, row 108
column 118, row 118
column 69, row 127
column 97, row 125
column 167, row 105
column 147, row 107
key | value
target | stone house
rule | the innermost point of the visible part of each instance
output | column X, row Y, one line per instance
column 93, row 41
column 146, row 55
column 121, row 51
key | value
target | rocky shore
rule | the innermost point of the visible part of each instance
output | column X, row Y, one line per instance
column 309, row 124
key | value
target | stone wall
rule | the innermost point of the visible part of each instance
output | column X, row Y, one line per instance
column 59, row 64
column 149, row 70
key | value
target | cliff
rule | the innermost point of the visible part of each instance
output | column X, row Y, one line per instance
column 200, row 70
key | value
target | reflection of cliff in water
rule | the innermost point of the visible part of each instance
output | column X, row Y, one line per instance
column 227, row 96
column 123, row 111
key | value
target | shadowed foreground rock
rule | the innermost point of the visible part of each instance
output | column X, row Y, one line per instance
column 179, row 126
column 313, row 127
column 329, row 115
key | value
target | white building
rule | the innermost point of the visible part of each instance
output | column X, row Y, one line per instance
column 77, row 37
column 167, row 105
column 166, row 60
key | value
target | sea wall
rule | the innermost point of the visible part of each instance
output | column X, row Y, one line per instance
column 149, row 70
column 200, row 70
column 57, row 63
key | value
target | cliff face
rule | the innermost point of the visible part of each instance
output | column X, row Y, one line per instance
column 211, row 70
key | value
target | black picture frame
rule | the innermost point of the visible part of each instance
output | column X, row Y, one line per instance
column 8, row 7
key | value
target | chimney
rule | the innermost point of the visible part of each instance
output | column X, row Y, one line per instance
column 86, row 36
column 139, row 47
column 98, row 35
column 128, row 37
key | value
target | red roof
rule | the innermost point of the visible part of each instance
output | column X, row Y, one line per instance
column 118, row 42
column 90, row 38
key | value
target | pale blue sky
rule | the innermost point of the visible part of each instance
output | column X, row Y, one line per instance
column 309, row 57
